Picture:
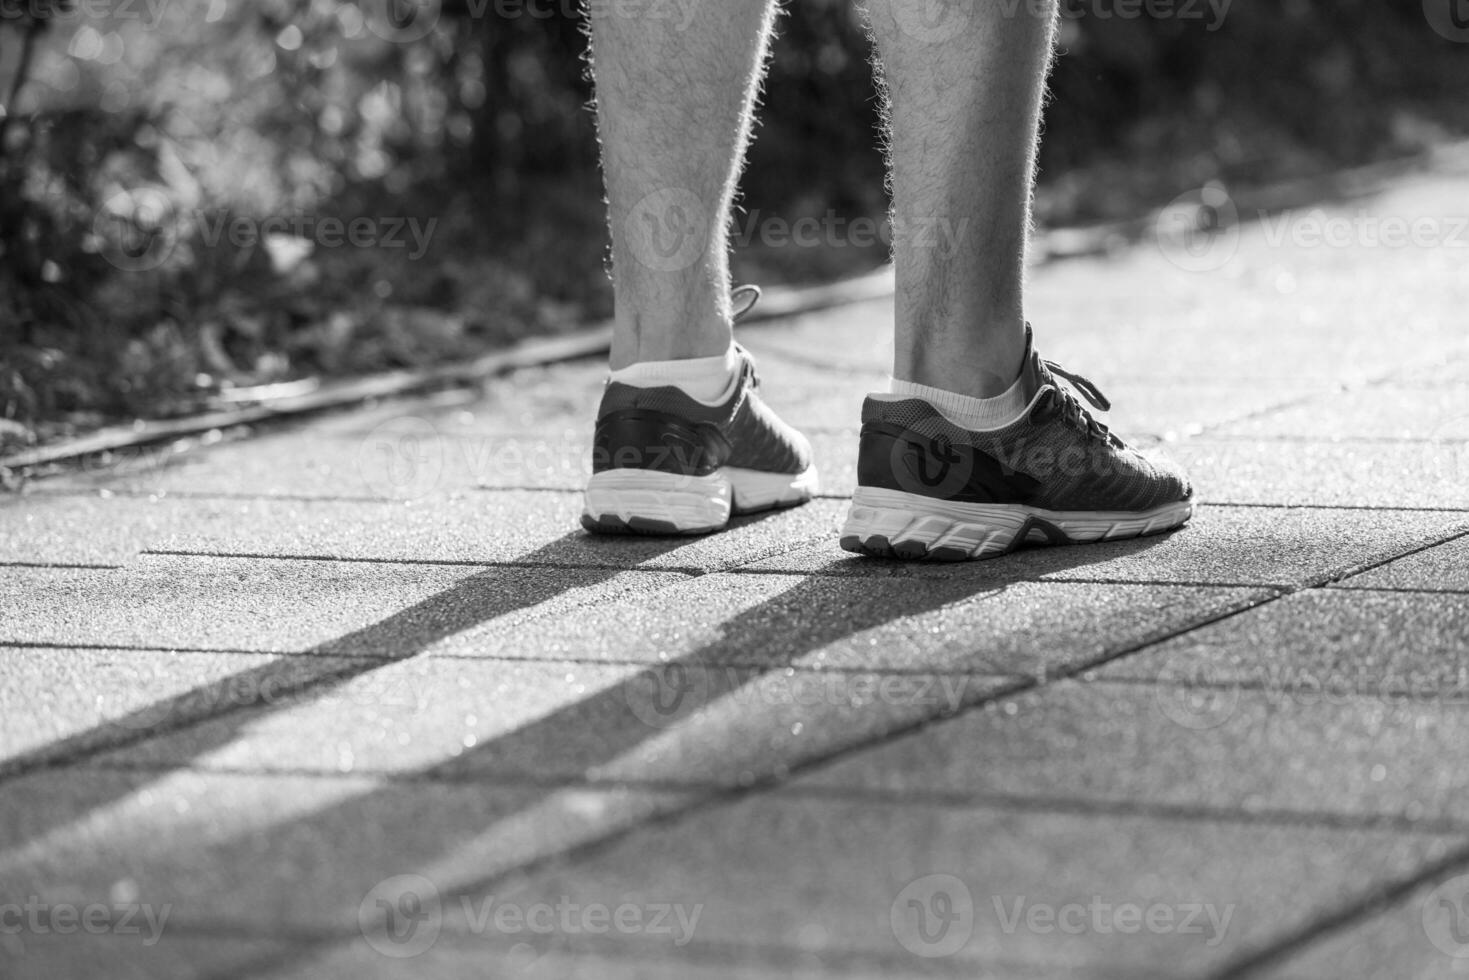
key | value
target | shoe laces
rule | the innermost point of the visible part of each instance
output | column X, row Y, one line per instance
column 1074, row 411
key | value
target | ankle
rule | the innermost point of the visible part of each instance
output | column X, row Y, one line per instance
column 709, row 380
column 643, row 340
column 966, row 410
column 982, row 362
column 972, row 376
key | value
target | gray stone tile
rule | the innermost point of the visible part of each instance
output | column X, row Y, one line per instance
column 550, row 723
column 955, row 624
column 281, row 856
column 324, row 607
column 858, row 871
column 1376, row 412
column 129, row 956
column 1223, row 545
column 50, row 695
column 1441, row 569
column 488, row 527
column 1330, row 644
column 1289, row 753
column 1411, row 938
column 1328, row 474
column 405, row 457
column 614, row 957
column 720, row 701
column 372, row 467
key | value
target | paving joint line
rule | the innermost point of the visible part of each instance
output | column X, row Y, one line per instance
column 711, row 801
column 388, row 659
column 1326, row 695
column 591, row 847
column 1395, row 590
column 693, row 571
column 1376, row 381
column 489, row 779
column 1364, row 907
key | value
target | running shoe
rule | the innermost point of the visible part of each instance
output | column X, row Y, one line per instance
column 931, row 489
column 664, row 463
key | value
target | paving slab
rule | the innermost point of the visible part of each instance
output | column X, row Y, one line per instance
column 757, row 700
column 1441, row 569
column 926, row 624
column 1413, row 938
column 1375, row 413
column 1222, row 546
column 476, row 527
column 862, row 883
column 432, row 466
column 550, row 724
column 1327, row 474
column 777, row 672
column 321, row 607
column 1292, row 754
column 1324, row 644
column 50, row 955
column 281, row 856
column 459, row 955
column 51, row 695
column 307, row 854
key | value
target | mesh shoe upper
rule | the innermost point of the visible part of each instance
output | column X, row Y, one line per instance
column 665, row 429
column 1056, row 457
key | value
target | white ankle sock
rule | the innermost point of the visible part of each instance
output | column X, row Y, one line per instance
column 971, row 413
column 709, row 380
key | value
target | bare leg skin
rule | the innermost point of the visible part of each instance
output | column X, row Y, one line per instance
column 964, row 82
column 676, row 86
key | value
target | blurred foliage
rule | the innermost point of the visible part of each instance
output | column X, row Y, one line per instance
column 136, row 136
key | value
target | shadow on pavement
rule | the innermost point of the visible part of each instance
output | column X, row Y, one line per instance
column 467, row 829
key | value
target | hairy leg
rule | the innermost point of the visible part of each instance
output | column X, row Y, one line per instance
column 964, row 81
column 676, row 84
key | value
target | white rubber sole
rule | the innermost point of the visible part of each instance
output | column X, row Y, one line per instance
column 893, row 524
column 650, row 502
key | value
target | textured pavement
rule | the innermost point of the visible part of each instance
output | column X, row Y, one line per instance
column 356, row 698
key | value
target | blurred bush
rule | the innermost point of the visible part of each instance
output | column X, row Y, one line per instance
column 168, row 171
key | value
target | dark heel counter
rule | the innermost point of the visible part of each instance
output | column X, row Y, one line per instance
column 879, row 445
column 638, row 439
column 891, row 457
